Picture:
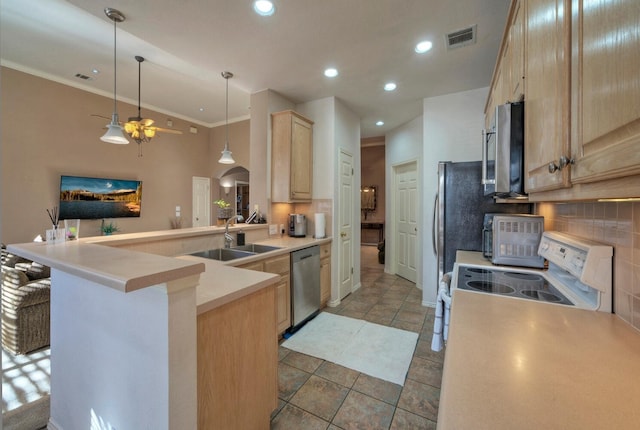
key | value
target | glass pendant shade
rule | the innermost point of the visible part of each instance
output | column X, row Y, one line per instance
column 114, row 133
column 226, row 157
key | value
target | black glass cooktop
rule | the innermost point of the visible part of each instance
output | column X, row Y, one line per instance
column 510, row 283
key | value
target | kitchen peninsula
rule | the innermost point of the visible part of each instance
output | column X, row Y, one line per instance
column 127, row 327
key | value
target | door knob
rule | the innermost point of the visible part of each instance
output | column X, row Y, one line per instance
column 343, row 234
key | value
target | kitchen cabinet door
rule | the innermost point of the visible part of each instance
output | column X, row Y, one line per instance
column 283, row 305
column 507, row 84
column 606, row 81
column 547, row 89
column 291, row 157
column 516, row 63
column 325, row 274
column 281, row 266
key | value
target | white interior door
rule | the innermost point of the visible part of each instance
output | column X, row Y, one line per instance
column 406, row 216
column 201, row 202
column 345, row 212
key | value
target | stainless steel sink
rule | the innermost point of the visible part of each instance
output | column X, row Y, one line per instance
column 256, row 248
column 224, row 254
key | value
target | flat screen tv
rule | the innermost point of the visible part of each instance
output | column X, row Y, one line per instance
column 95, row 198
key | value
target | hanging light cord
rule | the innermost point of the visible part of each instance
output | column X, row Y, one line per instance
column 115, row 73
column 226, row 142
column 139, row 63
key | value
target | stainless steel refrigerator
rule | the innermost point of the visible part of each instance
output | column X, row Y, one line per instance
column 459, row 211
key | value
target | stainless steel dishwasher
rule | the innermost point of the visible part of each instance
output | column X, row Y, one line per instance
column 305, row 285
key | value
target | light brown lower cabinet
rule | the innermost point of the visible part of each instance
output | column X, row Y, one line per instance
column 280, row 265
column 325, row 274
column 238, row 363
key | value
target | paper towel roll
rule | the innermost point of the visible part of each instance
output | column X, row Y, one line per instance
column 320, row 225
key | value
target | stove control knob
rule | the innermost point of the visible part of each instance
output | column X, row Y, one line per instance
column 579, row 263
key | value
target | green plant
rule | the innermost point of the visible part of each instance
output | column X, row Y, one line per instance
column 107, row 229
column 222, row 204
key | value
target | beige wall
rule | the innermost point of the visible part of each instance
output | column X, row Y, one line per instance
column 613, row 223
column 47, row 131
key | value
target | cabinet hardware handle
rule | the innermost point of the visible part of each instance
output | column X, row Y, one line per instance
column 343, row 234
column 562, row 163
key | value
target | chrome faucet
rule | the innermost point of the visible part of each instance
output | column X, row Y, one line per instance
column 227, row 237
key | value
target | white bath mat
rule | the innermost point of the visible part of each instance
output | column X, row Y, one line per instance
column 376, row 350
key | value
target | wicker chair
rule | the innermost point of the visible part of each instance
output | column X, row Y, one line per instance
column 25, row 306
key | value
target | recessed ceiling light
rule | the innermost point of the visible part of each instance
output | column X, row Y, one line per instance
column 201, row 109
column 423, row 46
column 95, row 71
column 379, row 123
column 331, row 73
column 264, row 7
column 390, row 86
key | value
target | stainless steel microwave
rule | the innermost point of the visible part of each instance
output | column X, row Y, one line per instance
column 503, row 152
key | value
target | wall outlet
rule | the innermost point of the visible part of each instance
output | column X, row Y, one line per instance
column 281, row 230
column 273, row 228
column 177, row 210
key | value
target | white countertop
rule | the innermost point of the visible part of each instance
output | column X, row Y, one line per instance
column 222, row 283
column 520, row 364
column 128, row 271
column 116, row 268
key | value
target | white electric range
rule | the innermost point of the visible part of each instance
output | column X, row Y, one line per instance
column 579, row 274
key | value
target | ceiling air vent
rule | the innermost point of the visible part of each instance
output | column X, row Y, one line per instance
column 84, row 77
column 460, row 38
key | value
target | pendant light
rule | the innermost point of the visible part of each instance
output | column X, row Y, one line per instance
column 226, row 154
column 114, row 132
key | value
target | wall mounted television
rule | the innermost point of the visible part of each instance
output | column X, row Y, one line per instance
column 96, row 198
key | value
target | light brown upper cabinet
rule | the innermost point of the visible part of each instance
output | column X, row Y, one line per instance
column 508, row 77
column 291, row 157
column 605, row 132
column 547, row 94
column 582, row 94
column 516, row 57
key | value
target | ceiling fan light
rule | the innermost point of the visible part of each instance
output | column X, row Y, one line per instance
column 226, row 157
column 149, row 132
column 115, row 135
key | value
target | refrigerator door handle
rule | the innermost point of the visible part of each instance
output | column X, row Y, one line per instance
column 435, row 226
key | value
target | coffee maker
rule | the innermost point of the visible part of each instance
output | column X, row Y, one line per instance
column 297, row 225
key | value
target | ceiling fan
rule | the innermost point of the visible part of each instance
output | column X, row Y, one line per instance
column 142, row 129
column 138, row 128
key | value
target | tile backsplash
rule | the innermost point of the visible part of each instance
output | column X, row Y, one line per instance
column 280, row 213
column 616, row 224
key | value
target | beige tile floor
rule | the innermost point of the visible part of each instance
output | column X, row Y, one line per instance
column 317, row 394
